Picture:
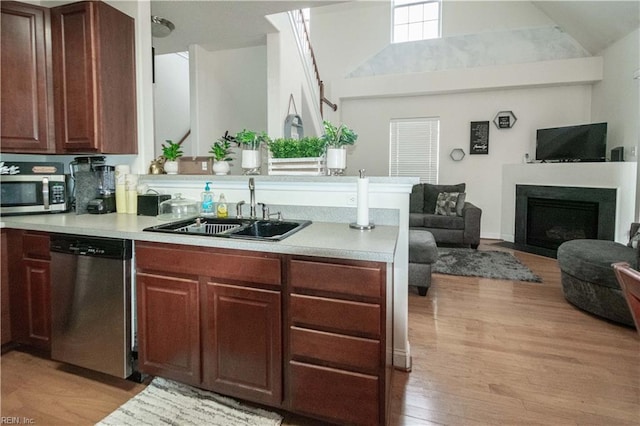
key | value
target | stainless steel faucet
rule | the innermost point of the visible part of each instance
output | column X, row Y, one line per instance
column 252, row 201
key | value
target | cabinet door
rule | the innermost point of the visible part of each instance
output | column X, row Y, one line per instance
column 37, row 287
column 26, row 105
column 74, row 83
column 168, row 327
column 242, row 353
column 93, row 48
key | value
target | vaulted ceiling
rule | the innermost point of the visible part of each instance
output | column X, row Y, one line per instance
column 230, row 24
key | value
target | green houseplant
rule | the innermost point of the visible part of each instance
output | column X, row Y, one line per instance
column 171, row 151
column 337, row 138
column 297, row 156
column 250, row 142
column 306, row 147
column 221, row 153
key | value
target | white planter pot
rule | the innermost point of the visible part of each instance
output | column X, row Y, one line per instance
column 336, row 160
column 221, row 168
column 251, row 160
column 171, row 167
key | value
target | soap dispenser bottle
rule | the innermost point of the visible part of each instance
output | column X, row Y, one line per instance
column 221, row 208
column 207, row 200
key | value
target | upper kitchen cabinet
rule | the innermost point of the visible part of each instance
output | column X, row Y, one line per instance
column 93, row 48
column 27, row 96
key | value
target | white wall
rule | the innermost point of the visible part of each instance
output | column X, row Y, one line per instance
column 616, row 100
column 172, row 118
column 534, row 108
column 228, row 93
column 286, row 79
column 543, row 94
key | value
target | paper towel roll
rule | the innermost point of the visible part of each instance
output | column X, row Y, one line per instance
column 363, row 201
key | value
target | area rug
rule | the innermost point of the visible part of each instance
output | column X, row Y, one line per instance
column 165, row 402
column 487, row 264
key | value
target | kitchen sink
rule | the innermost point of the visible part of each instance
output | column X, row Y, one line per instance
column 253, row 229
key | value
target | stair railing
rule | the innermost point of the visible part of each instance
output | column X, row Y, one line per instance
column 304, row 44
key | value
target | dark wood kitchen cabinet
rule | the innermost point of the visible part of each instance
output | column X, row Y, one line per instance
column 93, row 49
column 168, row 327
column 31, row 291
column 337, row 364
column 211, row 317
column 242, row 342
column 27, row 87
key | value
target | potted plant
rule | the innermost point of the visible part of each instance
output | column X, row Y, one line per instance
column 221, row 152
column 250, row 142
column 337, row 138
column 171, row 151
column 297, row 156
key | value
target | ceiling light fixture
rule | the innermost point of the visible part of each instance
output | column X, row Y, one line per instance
column 161, row 27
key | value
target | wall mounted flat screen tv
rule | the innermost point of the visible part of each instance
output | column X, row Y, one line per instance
column 587, row 142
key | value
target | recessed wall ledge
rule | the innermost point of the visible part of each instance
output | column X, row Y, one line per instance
column 534, row 74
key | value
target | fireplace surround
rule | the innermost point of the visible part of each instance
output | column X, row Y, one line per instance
column 546, row 216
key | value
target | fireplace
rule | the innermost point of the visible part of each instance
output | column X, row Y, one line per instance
column 547, row 216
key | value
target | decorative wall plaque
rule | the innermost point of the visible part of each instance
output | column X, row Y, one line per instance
column 505, row 120
column 479, row 137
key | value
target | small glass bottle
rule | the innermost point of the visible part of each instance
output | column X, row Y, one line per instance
column 221, row 208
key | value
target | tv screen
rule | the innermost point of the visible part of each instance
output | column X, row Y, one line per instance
column 587, row 142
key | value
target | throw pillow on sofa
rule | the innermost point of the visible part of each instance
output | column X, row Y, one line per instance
column 450, row 203
column 431, row 194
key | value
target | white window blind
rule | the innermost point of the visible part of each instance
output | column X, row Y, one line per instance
column 413, row 148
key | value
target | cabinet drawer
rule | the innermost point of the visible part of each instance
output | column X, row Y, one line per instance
column 36, row 246
column 338, row 395
column 336, row 315
column 225, row 264
column 335, row 349
column 354, row 280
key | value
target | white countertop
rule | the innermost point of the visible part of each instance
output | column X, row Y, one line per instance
column 323, row 239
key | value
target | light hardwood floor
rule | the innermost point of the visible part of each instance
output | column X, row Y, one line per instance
column 485, row 352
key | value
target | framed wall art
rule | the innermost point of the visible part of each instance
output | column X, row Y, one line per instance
column 479, row 141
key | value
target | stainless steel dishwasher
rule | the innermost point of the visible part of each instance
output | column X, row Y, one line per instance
column 91, row 303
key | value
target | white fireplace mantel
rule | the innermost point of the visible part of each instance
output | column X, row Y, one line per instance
column 617, row 175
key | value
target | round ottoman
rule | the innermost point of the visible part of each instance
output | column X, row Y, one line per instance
column 423, row 252
column 588, row 280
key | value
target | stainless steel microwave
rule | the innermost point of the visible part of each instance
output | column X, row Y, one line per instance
column 33, row 187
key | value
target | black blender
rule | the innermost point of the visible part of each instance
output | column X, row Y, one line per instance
column 85, row 181
column 106, row 200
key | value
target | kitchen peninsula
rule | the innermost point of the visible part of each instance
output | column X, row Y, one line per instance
column 298, row 289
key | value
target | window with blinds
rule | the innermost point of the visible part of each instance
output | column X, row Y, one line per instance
column 413, row 148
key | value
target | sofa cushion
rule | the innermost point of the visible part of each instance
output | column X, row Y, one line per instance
column 431, row 194
column 439, row 221
column 460, row 203
column 416, row 200
column 416, row 220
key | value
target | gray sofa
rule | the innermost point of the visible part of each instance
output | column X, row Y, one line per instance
column 460, row 227
column 589, row 281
